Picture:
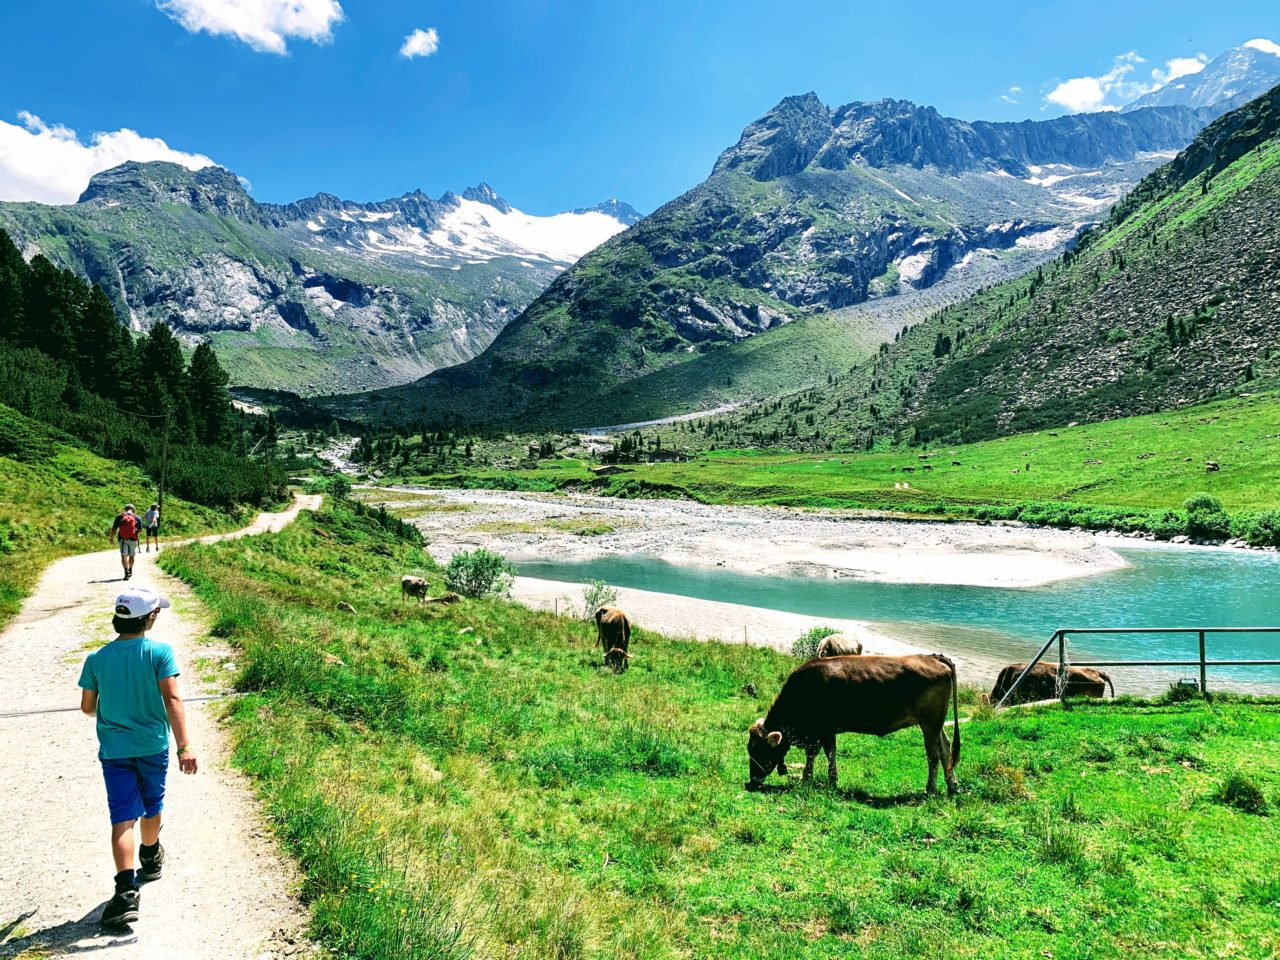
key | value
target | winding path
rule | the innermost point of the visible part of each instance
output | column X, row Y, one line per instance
column 226, row 891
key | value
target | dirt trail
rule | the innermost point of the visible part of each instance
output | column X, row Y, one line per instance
column 226, row 892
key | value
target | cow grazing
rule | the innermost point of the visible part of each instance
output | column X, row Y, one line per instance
column 613, row 633
column 413, row 587
column 838, row 645
column 1042, row 683
column 875, row 695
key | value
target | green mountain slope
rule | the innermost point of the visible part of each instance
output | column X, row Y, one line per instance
column 813, row 210
column 1173, row 300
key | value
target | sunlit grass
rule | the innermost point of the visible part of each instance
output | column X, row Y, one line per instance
column 467, row 782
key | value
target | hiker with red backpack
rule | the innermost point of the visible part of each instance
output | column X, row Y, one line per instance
column 126, row 526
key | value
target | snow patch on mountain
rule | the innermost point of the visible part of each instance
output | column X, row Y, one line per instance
column 480, row 231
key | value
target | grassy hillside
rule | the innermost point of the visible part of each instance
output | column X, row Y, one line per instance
column 57, row 498
column 1125, row 473
column 465, row 782
column 1173, row 301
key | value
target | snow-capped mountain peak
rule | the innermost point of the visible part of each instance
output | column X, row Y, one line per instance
column 1226, row 82
column 474, row 227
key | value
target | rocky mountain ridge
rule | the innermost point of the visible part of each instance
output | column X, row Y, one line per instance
column 317, row 295
column 1174, row 300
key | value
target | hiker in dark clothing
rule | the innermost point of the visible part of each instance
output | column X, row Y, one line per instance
column 151, row 520
column 126, row 526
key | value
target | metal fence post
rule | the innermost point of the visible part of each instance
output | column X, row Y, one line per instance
column 1062, row 666
column 1203, row 689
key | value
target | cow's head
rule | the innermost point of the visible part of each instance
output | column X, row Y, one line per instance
column 765, row 751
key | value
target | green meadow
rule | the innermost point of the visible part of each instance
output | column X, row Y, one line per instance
column 466, row 782
column 1134, row 473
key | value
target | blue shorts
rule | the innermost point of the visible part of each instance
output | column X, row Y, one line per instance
column 135, row 786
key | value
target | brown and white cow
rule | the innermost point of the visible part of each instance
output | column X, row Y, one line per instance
column 1042, row 683
column 872, row 694
column 613, row 633
column 838, row 645
column 411, row 586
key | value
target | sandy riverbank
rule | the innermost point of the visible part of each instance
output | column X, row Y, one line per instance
column 678, row 616
column 755, row 540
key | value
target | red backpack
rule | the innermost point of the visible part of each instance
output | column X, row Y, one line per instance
column 129, row 524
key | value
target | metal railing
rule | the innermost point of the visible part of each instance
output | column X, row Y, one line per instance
column 1060, row 638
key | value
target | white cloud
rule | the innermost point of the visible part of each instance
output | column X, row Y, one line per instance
column 265, row 25
column 1266, row 46
column 49, row 163
column 1179, row 67
column 1012, row 95
column 1109, row 91
column 420, row 43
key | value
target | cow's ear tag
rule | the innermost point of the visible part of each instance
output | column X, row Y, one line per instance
column 775, row 738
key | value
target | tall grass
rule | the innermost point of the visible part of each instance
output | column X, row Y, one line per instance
column 467, row 782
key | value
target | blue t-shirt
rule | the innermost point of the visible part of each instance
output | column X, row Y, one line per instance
column 131, row 718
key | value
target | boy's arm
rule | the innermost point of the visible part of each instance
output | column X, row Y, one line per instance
column 115, row 525
column 178, row 721
column 89, row 702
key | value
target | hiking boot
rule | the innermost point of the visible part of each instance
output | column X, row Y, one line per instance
column 122, row 909
column 152, row 867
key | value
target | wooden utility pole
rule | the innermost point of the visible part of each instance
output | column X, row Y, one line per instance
column 164, row 463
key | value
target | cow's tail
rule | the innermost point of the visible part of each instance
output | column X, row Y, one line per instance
column 1107, row 677
column 955, row 714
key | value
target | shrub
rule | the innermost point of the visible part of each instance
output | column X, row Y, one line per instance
column 1168, row 525
column 480, row 573
column 806, row 646
column 1206, row 518
column 597, row 594
column 1238, row 791
column 1261, row 530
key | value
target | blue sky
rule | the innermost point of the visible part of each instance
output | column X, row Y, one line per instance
column 556, row 104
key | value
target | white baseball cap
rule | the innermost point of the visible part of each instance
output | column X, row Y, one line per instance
column 139, row 602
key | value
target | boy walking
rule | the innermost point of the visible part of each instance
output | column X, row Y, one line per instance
column 127, row 525
column 131, row 686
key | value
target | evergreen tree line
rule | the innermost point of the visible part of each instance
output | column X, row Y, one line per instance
column 66, row 359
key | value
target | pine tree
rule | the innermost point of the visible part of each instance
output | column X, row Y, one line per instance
column 207, row 389
column 164, row 380
column 13, row 271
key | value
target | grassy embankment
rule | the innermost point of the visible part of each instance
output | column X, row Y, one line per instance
column 1132, row 473
column 57, row 498
column 465, row 782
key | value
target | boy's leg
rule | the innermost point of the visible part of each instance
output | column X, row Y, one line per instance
column 122, row 844
column 152, row 773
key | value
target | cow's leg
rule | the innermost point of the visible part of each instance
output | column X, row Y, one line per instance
column 944, row 755
column 931, row 744
column 810, row 754
column 833, row 776
column 782, row 769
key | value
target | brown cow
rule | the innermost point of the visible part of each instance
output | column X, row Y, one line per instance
column 838, row 645
column 411, row 586
column 613, row 633
column 875, row 695
column 1042, row 683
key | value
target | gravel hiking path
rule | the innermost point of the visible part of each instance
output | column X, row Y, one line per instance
column 226, row 891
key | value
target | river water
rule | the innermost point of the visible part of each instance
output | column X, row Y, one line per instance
column 1161, row 588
